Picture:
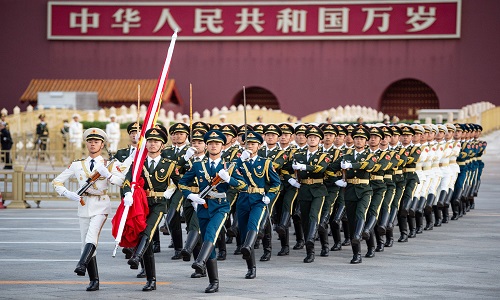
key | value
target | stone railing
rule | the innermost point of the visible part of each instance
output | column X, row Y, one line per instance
column 346, row 114
column 468, row 114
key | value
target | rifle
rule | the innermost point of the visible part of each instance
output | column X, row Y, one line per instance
column 213, row 184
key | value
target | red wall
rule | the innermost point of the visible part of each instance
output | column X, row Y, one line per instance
column 320, row 73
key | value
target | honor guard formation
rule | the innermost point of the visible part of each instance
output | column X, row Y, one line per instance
column 238, row 184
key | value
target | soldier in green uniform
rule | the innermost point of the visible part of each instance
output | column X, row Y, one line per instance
column 311, row 166
column 411, row 180
column 157, row 173
column 333, row 174
column 358, row 192
column 278, row 157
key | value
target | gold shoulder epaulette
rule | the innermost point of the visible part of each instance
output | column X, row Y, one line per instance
column 79, row 159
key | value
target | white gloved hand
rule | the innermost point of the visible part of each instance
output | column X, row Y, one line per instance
column 101, row 168
column 224, row 175
column 245, row 155
column 169, row 192
column 266, row 200
column 341, row 183
column 293, row 182
column 300, row 167
column 195, row 205
column 189, row 153
column 72, row 195
column 196, row 199
column 127, row 199
column 345, row 165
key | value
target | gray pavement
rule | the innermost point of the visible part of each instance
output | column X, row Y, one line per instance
column 40, row 247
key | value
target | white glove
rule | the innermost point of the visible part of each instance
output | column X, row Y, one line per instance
column 345, row 165
column 195, row 205
column 101, row 168
column 300, row 167
column 293, row 182
column 72, row 195
column 266, row 200
column 169, row 192
column 196, row 199
column 189, row 153
column 224, row 175
column 127, row 199
column 341, row 183
column 245, row 155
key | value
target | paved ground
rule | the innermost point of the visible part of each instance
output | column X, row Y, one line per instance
column 40, row 248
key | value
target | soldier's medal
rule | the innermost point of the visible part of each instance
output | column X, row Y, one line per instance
column 201, row 179
column 315, row 160
column 81, row 178
column 363, row 159
column 258, row 167
column 162, row 170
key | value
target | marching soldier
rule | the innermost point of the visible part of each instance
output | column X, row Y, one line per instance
column 93, row 205
column 411, row 181
column 212, row 211
column 358, row 164
column 454, row 169
column 262, row 187
column 156, row 173
column 311, row 166
column 278, row 158
column 444, row 165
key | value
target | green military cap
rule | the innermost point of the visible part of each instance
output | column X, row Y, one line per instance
column 253, row 136
column 314, row 130
column 229, row 130
column 273, row 128
column 157, row 134
column 95, row 134
column 361, row 132
column 162, row 128
column 377, row 131
column 350, row 128
column 259, row 128
column 215, row 136
column 396, row 130
column 329, row 128
column 342, row 129
column 215, row 127
column 133, row 127
column 179, row 127
column 407, row 130
column 286, row 128
column 199, row 125
column 241, row 129
column 387, row 130
column 301, row 129
column 458, row 127
column 198, row 134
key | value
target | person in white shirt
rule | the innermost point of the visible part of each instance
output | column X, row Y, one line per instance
column 76, row 132
column 113, row 132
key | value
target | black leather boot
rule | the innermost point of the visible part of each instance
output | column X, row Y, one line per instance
column 150, row 268
column 247, row 247
column 177, row 239
column 311, row 234
column 196, row 251
column 323, row 238
column 191, row 241
column 251, row 266
column 299, row 233
column 370, row 244
column 446, row 214
column 93, row 275
column 263, row 224
column 347, row 233
column 438, row 217
column 135, row 260
column 87, row 253
column 412, row 225
column 380, row 241
column 213, row 276
column 389, row 237
column 221, row 246
column 164, row 228
column 128, row 252
column 233, row 230
column 356, row 254
column 369, row 225
column 383, row 219
column 283, row 225
column 429, row 220
column 443, row 194
column 285, row 248
column 266, row 243
column 142, row 273
column 357, row 234
column 403, row 228
column 200, row 263
column 310, row 253
column 337, row 240
column 156, row 241
column 419, row 221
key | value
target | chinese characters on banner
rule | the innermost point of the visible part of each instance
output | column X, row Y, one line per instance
column 253, row 20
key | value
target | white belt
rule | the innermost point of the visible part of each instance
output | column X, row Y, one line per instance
column 216, row 195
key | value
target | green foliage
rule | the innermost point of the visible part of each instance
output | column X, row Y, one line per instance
column 96, row 124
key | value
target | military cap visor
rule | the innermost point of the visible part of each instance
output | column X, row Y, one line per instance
column 377, row 132
column 329, row 128
column 407, row 130
column 133, row 127
column 253, row 136
column 342, row 129
column 396, row 130
column 215, row 136
column 259, row 128
column 272, row 128
column 200, row 126
column 286, row 128
column 229, row 130
column 301, row 129
column 179, row 127
column 315, row 130
column 95, row 134
column 387, row 130
column 361, row 132
column 241, row 129
column 156, row 134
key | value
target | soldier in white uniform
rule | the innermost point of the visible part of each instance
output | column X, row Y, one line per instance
column 76, row 132
column 94, row 205
column 113, row 132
